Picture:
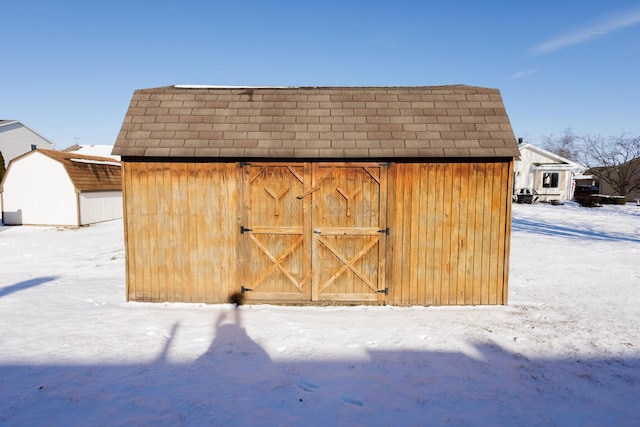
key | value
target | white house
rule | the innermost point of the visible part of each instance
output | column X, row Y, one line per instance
column 17, row 139
column 47, row 187
column 549, row 174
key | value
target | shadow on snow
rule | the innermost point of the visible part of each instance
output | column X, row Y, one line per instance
column 581, row 233
column 236, row 383
column 25, row 285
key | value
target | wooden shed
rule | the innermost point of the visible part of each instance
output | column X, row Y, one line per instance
column 309, row 195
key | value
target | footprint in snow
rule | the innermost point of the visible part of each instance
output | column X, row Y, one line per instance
column 352, row 401
column 307, row 386
column 150, row 331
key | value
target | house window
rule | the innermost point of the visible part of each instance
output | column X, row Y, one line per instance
column 33, row 147
column 550, row 179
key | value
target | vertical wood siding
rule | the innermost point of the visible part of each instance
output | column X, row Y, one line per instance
column 448, row 244
column 181, row 231
column 450, row 229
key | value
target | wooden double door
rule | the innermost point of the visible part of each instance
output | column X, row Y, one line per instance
column 314, row 232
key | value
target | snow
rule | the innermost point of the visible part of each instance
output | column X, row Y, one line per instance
column 232, row 87
column 95, row 162
column 564, row 352
column 94, row 150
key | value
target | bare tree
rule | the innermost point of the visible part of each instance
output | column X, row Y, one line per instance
column 615, row 160
column 566, row 146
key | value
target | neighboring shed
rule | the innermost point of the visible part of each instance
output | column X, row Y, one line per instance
column 377, row 195
column 16, row 139
column 46, row 187
column 549, row 174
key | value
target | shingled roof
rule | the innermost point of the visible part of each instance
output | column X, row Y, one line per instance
column 89, row 173
column 317, row 122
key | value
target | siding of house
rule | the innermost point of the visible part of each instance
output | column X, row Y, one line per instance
column 16, row 139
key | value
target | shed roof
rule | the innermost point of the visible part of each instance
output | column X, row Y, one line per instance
column 455, row 121
column 89, row 173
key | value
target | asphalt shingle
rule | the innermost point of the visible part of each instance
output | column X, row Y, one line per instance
column 317, row 122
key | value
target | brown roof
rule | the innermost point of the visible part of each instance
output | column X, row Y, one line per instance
column 317, row 122
column 89, row 173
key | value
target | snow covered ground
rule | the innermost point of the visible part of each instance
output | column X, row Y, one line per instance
column 565, row 351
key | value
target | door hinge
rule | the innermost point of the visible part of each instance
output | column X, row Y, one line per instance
column 383, row 291
column 243, row 164
column 243, row 230
column 243, row 289
column 385, row 231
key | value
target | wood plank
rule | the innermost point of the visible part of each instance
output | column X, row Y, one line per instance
column 315, row 257
column 432, row 228
column 307, row 233
column 447, row 234
column 153, row 263
column 407, row 221
column 276, row 230
column 464, row 206
column 341, row 297
column 507, row 202
column 390, row 262
column 382, row 224
column 439, row 234
column 199, row 223
column 486, row 232
column 166, row 222
column 207, row 225
column 143, row 227
column 496, row 216
column 128, row 237
column 242, row 275
column 422, row 219
column 414, row 213
column 472, row 238
column 229, row 208
column 478, row 225
column 399, row 267
column 180, row 194
column 456, row 234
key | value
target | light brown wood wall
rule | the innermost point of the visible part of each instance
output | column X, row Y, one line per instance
column 448, row 244
column 450, row 230
column 181, row 231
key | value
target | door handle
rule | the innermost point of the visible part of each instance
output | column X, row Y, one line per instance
column 317, row 231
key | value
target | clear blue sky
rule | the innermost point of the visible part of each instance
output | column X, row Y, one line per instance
column 68, row 68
